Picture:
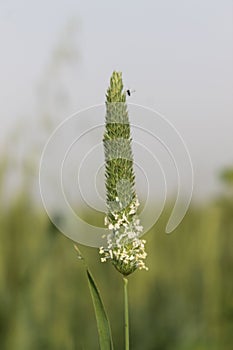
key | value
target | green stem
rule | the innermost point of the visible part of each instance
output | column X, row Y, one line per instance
column 126, row 305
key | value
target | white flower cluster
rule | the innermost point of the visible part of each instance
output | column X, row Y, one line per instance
column 125, row 249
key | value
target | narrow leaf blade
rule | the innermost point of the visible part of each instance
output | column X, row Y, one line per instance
column 104, row 330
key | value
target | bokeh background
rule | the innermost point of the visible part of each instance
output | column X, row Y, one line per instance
column 56, row 58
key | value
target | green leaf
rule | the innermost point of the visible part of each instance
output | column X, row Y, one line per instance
column 104, row 330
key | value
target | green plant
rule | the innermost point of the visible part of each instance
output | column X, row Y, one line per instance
column 124, row 248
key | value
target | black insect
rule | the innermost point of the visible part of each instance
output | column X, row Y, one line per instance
column 130, row 92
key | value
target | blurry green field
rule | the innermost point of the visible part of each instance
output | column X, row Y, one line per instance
column 184, row 301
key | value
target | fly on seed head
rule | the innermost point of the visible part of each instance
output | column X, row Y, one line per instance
column 130, row 92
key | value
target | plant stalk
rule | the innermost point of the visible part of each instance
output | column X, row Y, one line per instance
column 126, row 306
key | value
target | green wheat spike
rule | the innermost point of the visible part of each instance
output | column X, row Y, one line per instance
column 120, row 178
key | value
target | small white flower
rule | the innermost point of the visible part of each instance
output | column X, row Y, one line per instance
column 106, row 221
column 124, row 217
column 131, row 235
column 115, row 215
column 132, row 211
column 117, row 226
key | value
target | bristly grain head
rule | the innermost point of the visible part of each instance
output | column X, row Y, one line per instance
column 125, row 249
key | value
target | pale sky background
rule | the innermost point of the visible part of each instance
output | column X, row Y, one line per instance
column 177, row 55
